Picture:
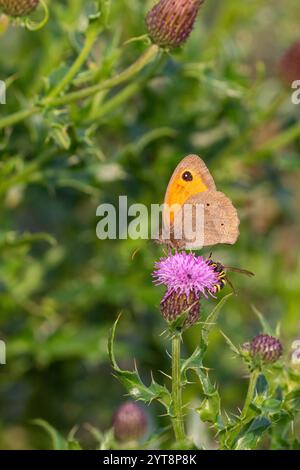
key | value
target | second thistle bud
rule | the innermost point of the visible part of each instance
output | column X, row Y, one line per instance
column 170, row 22
column 18, row 7
column 289, row 65
column 295, row 357
column 264, row 348
column 129, row 422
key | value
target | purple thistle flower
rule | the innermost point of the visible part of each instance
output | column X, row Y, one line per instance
column 187, row 277
column 185, row 272
column 170, row 22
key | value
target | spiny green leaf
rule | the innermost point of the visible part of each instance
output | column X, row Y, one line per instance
column 292, row 399
column 267, row 328
column 192, row 362
column 230, row 344
column 211, row 319
column 209, row 410
column 270, row 405
column 261, row 386
column 132, row 381
column 251, row 434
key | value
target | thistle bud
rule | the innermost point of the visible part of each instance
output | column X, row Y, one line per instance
column 175, row 304
column 295, row 358
column 264, row 348
column 129, row 422
column 18, row 7
column 170, row 22
column 289, row 65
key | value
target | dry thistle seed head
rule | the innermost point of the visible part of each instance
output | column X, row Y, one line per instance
column 18, row 7
column 289, row 65
column 265, row 348
column 170, row 22
column 129, row 422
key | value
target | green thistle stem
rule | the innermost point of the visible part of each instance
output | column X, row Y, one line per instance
column 89, row 42
column 229, row 439
column 32, row 25
column 250, row 393
column 147, row 57
column 177, row 419
column 124, row 76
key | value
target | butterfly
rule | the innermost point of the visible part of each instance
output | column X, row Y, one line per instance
column 192, row 186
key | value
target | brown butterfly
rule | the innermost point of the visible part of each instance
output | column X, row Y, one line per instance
column 192, row 185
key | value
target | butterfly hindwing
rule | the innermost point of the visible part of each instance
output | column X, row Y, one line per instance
column 221, row 220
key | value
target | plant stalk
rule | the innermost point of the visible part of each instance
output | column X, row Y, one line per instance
column 250, row 393
column 72, row 97
column 124, row 76
column 75, row 68
column 177, row 419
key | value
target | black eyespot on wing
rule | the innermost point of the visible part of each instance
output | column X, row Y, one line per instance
column 187, row 176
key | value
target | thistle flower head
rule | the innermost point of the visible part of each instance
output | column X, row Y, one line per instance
column 170, row 22
column 129, row 422
column 185, row 273
column 18, row 7
column 265, row 348
column 187, row 277
column 289, row 65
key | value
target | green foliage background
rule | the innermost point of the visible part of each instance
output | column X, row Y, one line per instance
column 61, row 288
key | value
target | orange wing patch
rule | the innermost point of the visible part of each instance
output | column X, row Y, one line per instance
column 189, row 178
column 181, row 190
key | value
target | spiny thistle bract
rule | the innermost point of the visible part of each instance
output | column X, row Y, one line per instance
column 129, row 422
column 174, row 304
column 170, row 22
column 187, row 277
column 264, row 348
column 18, row 7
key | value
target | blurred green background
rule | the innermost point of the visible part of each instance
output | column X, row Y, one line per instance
column 221, row 97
